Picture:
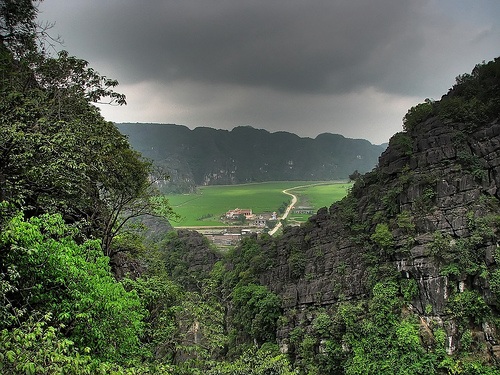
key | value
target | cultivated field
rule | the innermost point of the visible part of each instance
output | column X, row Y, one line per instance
column 210, row 202
column 317, row 196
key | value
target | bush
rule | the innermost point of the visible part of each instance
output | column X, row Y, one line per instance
column 264, row 361
column 257, row 310
column 402, row 142
column 383, row 236
column 73, row 282
column 417, row 114
column 467, row 307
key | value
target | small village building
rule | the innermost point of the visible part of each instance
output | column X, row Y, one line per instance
column 235, row 214
column 260, row 221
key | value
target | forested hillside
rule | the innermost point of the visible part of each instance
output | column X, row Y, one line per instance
column 400, row 277
column 206, row 156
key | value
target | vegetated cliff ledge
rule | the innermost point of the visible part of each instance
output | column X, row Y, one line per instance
column 207, row 156
column 427, row 218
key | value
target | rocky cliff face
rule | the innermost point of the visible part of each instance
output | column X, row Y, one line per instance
column 427, row 213
column 188, row 257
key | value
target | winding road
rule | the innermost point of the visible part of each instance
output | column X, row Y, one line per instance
column 290, row 206
column 287, row 211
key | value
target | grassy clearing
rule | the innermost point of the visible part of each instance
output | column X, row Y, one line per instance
column 323, row 195
column 210, row 202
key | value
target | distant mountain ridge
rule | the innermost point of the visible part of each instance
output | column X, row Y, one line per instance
column 208, row 156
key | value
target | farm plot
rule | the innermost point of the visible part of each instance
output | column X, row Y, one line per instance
column 205, row 207
column 315, row 196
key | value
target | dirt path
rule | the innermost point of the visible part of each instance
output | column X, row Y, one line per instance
column 287, row 211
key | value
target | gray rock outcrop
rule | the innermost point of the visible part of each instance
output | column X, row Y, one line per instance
column 435, row 188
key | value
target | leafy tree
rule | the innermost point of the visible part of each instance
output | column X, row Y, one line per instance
column 201, row 327
column 468, row 306
column 383, row 236
column 36, row 347
column 473, row 100
column 417, row 114
column 264, row 361
column 402, row 142
column 383, row 342
column 242, row 219
column 248, row 259
column 18, row 28
column 57, row 153
column 50, row 273
column 63, row 157
column 162, row 299
column 184, row 326
column 256, row 311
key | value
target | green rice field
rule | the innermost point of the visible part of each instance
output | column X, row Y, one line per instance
column 205, row 207
column 317, row 196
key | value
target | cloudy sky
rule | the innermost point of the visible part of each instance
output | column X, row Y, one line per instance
column 351, row 67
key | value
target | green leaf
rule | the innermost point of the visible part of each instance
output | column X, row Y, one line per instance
column 11, row 356
column 29, row 368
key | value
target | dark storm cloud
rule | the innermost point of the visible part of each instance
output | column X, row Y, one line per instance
column 312, row 46
column 352, row 67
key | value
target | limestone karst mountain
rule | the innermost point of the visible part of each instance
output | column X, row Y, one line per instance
column 427, row 218
column 207, row 156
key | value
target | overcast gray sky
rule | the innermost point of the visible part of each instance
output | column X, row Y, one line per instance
column 350, row 67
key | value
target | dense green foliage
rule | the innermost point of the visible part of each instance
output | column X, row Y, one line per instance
column 380, row 336
column 256, row 311
column 266, row 360
column 57, row 153
column 69, row 182
column 473, row 100
column 417, row 114
column 51, row 274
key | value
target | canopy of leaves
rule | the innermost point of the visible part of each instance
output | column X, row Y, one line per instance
column 256, row 311
column 50, row 274
column 473, row 100
column 57, row 153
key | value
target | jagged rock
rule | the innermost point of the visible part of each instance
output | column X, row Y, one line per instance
column 189, row 257
column 124, row 265
column 442, row 182
column 199, row 256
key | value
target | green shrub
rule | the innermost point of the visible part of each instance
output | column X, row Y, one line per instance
column 72, row 282
column 467, row 307
column 417, row 114
column 256, row 311
column 383, row 236
column 459, row 109
column 409, row 289
column 297, row 260
column 322, row 324
column 402, row 142
column 264, row 361
column 404, row 220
